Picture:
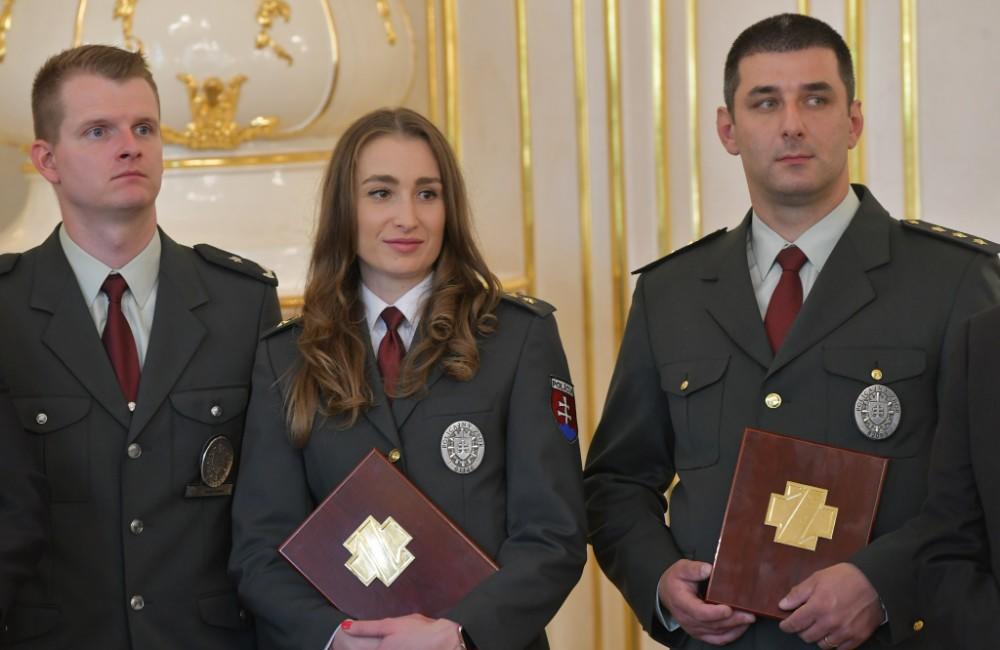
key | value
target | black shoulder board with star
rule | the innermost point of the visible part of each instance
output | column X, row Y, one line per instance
column 282, row 326
column 536, row 305
column 954, row 236
column 236, row 263
column 683, row 249
column 8, row 262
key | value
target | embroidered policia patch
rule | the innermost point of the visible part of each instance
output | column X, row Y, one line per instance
column 564, row 408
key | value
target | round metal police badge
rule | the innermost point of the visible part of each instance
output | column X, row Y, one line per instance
column 217, row 458
column 462, row 447
column 877, row 412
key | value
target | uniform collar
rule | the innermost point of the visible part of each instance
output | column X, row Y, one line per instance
column 410, row 303
column 140, row 273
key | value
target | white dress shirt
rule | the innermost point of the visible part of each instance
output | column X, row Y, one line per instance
column 139, row 302
column 410, row 304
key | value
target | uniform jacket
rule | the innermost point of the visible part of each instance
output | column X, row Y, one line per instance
column 890, row 296
column 960, row 559
column 132, row 562
column 23, row 504
column 523, row 505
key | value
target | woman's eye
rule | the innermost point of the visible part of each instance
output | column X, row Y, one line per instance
column 427, row 195
column 379, row 194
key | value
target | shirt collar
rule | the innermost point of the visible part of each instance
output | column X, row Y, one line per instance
column 140, row 273
column 817, row 243
column 410, row 303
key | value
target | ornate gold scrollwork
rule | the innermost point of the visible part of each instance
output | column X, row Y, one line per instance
column 5, row 22
column 382, row 6
column 213, row 116
column 125, row 9
column 267, row 11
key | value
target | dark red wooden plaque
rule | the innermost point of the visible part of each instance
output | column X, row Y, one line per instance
column 752, row 571
column 446, row 564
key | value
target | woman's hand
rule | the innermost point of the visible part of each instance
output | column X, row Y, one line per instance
column 412, row 632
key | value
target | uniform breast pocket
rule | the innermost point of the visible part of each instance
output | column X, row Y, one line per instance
column 694, row 391
column 907, row 411
column 62, row 428
column 200, row 416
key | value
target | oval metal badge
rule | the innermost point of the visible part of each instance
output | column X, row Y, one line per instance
column 462, row 447
column 877, row 412
column 217, row 458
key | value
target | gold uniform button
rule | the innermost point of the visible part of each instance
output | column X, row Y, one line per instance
column 394, row 456
column 773, row 400
column 918, row 625
column 41, row 418
column 877, row 374
column 685, row 384
column 216, row 410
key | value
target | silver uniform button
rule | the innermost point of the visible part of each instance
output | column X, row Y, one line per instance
column 216, row 410
column 134, row 450
column 41, row 418
column 131, row 407
column 136, row 526
column 137, row 602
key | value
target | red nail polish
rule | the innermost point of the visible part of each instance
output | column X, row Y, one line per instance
column 346, row 625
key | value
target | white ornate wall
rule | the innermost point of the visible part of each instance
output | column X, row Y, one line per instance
column 580, row 169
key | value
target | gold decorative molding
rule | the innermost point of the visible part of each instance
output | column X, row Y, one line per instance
column 382, row 6
column 125, row 10
column 527, row 179
column 584, row 212
column 694, row 121
column 81, row 11
column 433, row 93
column 452, row 128
column 803, row 7
column 616, row 172
column 854, row 35
column 213, row 116
column 661, row 122
column 910, row 100
column 267, row 12
column 5, row 23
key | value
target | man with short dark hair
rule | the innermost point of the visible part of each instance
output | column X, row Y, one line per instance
column 128, row 358
column 784, row 323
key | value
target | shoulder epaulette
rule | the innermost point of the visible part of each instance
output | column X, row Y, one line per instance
column 535, row 305
column 683, row 249
column 236, row 263
column 954, row 236
column 8, row 261
column 282, row 326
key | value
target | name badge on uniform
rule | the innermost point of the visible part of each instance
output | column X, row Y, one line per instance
column 462, row 447
column 877, row 412
column 563, row 405
column 217, row 460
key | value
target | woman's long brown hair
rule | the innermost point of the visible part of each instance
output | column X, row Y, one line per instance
column 330, row 380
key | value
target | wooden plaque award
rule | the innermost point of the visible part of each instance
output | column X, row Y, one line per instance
column 795, row 507
column 377, row 547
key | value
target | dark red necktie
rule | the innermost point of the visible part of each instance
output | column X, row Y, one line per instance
column 787, row 297
column 391, row 350
column 118, row 339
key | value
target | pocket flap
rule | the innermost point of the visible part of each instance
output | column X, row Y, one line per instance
column 211, row 405
column 48, row 414
column 895, row 364
column 223, row 610
column 25, row 623
column 682, row 378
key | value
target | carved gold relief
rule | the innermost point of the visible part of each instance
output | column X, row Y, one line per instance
column 125, row 9
column 382, row 6
column 267, row 11
column 378, row 551
column 5, row 22
column 800, row 516
column 213, row 116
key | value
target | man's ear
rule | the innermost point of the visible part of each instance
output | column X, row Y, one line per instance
column 857, row 123
column 725, row 126
column 43, row 157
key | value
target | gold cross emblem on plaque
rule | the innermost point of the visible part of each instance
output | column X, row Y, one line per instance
column 378, row 551
column 800, row 516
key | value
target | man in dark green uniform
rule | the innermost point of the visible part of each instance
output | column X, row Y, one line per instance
column 786, row 323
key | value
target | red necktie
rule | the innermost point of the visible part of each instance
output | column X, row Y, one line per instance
column 391, row 350
column 787, row 297
column 118, row 339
